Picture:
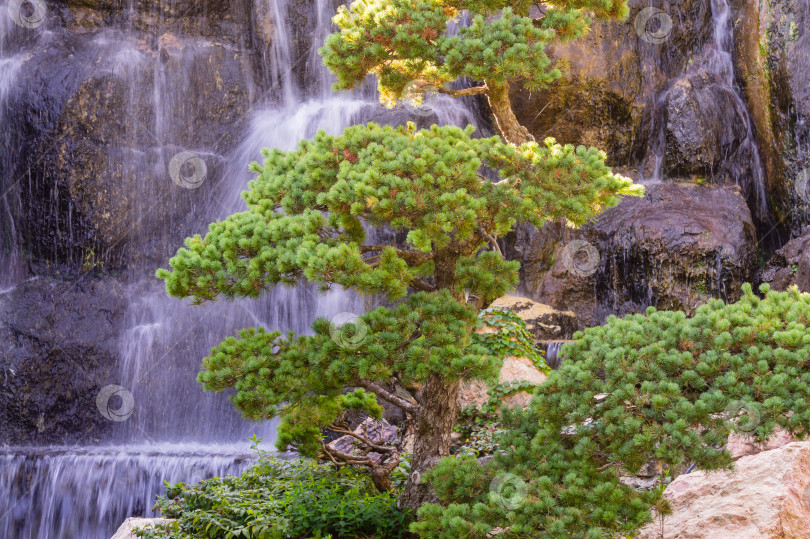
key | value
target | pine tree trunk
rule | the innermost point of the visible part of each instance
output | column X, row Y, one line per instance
column 501, row 105
column 434, row 425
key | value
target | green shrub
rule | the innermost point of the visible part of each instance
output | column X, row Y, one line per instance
column 657, row 386
column 281, row 499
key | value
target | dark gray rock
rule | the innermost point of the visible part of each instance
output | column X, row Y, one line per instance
column 703, row 125
column 379, row 432
column 675, row 248
column 790, row 265
column 58, row 348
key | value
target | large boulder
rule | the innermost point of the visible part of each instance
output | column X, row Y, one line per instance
column 674, row 248
column 704, row 125
column 767, row 496
column 612, row 76
column 790, row 265
column 743, row 444
column 58, row 349
column 514, row 370
column 543, row 321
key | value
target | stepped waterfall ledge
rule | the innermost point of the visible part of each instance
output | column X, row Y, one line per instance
column 112, row 333
column 404, row 268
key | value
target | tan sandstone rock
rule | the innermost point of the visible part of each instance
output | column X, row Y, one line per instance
column 767, row 496
column 542, row 321
column 742, row 446
column 514, row 369
column 129, row 525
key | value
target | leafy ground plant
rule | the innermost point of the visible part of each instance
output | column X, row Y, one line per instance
column 277, row 499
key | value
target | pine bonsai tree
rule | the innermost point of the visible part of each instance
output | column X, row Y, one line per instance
column 307, row 215
column 656, row 386
column 309, row 211
column 407, row 44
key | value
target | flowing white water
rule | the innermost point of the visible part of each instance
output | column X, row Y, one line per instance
column 119, row 481
column 723, row 65
column 164, row 426
column 743, row 164
column 12, row 268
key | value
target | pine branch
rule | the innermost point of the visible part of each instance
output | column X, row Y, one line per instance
column 477, row 90
column 412, row 258
column 491, row 239
column 387, row 396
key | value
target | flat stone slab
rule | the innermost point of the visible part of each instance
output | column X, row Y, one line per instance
column 129, row 525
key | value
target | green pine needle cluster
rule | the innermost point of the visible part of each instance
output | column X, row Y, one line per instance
column 307, row 219
column 302, row 378
column 308, row 211
column 401, row 41
column 657, row 386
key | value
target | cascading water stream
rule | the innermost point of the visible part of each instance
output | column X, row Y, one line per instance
column 740, row 162
column 163, row 426
column 12, row 269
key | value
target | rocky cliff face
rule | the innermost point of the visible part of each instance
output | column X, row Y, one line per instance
column 58, row 348
column 773, row 59
column 692, row 93
column 106, row 95
column 674, row 248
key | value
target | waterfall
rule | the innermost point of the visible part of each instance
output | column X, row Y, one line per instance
column 12, row 269
column 722, row 64
column 83, row 492
column 162, row 426
column 551, row 352
column 712, row 85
